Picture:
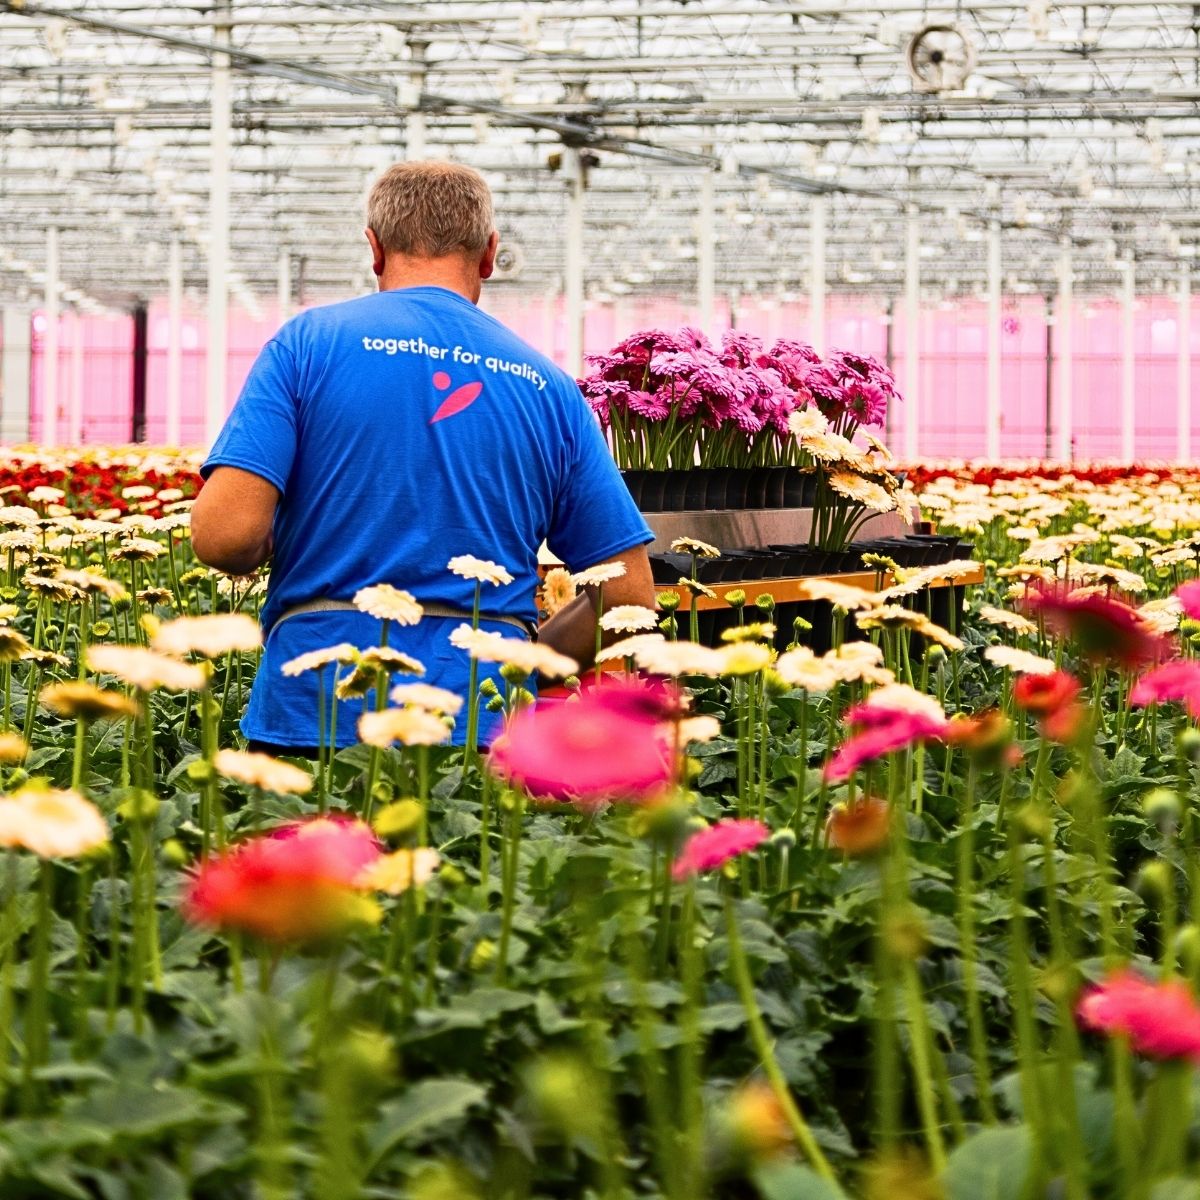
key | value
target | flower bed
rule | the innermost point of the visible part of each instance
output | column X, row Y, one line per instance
column 919, row 916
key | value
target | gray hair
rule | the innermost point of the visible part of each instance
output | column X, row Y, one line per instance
column 431, row 209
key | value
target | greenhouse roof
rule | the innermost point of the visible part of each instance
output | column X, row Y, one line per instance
column 1060, row 122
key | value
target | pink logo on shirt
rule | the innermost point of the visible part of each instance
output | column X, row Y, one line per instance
column 462, row 397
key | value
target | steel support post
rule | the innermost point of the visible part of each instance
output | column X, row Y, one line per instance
column 994, row 285
column 818, row 230
column 1183, row 404
column 50, row 343
column 912, row 335
column 706, row 253
column 75, row 404
column 1128, row 411
column 573, row 281
column 218, row 235
column 1064, row 339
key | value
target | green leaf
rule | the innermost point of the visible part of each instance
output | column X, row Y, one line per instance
column 992, row 1165
column 421, row 1110
column 1176, row 1189
column 789, row 1181
column 144, row 1110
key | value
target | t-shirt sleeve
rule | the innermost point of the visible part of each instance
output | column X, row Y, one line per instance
column 260, row 434
column 594, row 515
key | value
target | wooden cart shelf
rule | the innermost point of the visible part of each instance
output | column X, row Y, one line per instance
column 793, row 588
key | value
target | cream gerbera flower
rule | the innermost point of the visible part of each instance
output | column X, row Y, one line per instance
column 679, row 658
column 629, row 618
column 696, row 587
column 47, row 495
column 146, row 670
column 1020, row 662
column 408, row 726
column 801, row 668
column 262, row 771
column 629, row 647
column 807, row 422
column 1006, row 619
column 829, row 447
column 690, row 545
column 384, row 658
column 529, row 656
column 388, row 604
column 697, row 729
column 13, row 749
column 210, row 635
column 601, row 573
column 863, row 491
column 12, row 644
column 51, row 823
column 87, row 702
column 427, row 696
column 314, row 660
column 840, row 595
column 397, row 872
column 137, row 549
column 558, row 590
column 466, row 566
column 907, row 699
column 18, row 514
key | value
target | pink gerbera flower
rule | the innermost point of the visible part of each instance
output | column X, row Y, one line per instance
column 715, row 846
column 879, row 731
column 1179, row 680
column 1101, row 627
column 1188, row 596
column 1161, row 1020
column 588, row 750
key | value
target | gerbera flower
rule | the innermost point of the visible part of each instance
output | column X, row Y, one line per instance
column 1020, row 662
column 861, row 490
column 801, row 668
column 676, row 659
column 840, row 595
column 696, row 587
column 146, row 670
column 588, row 751
column 1178, row 680
column 388, row 604
column 859, row 827
column 13, row 749
column 628, row 618
column 629, row 647
column 314, row 660
column 51, row 823
column 481, row 570
column 397, row 872
column 1101, row 627
column 1006, row 619
column 599, row 574
column 87, row 702
column 210, row 635
column 409, row 726
column 12, row 644
column 880, row 730
column 694, row 546
column 745, row 658
column 385, row 658
column 262, row 771
column 298, row 884
column 530, row 656
column 1160, row 1019
column 136, row 549
column 427, row 696
column 558, row 590
column 711, row 848
column 807, row 422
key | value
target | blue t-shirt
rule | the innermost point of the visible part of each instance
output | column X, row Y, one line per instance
column 402, row 429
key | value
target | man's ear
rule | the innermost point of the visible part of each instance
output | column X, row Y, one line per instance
column 487, row 264
column 377, row 255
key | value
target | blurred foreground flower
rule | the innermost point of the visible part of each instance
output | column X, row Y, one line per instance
column 1102, row 628
column 210, row 635
column 261, row 771
column 859, row 827
column 714, row 847
column 297, row 884
column 892, row 717
column 1179, row 680
column 51, row 823
column 146, row 670
column 402, row 869
column 1053, row 699
column 600, row 747
column 1161, row 1020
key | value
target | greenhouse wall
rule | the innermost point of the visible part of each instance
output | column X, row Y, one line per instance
column 950, row 394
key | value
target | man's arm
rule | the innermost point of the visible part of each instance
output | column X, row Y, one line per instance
column 232, row 520
column 572, row 630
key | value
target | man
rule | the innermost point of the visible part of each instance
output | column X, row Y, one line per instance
column 377, row 438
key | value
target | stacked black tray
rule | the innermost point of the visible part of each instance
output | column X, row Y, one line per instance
column 944, row 605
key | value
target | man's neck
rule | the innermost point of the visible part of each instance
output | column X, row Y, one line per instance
column 452, row 274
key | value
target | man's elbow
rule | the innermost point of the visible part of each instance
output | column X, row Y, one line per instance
column 224, row 554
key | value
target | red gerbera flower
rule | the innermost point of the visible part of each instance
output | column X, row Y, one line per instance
column 1102, row 628
column 1160, row 1019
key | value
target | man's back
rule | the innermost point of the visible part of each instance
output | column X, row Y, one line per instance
column 402, row 429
